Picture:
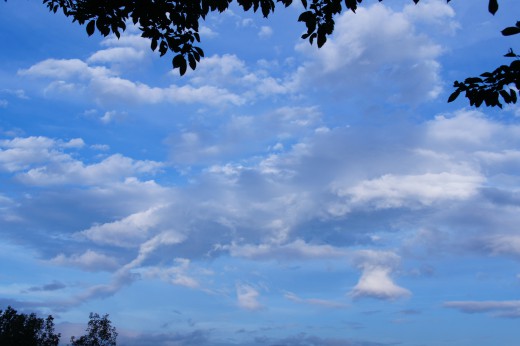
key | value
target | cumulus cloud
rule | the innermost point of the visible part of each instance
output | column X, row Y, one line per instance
column 105, row 87
column 361, row 55
column 507, row 309
column 44, row 161
column 116, row 55
column 375, row 280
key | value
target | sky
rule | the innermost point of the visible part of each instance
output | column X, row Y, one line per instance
column 279, row 194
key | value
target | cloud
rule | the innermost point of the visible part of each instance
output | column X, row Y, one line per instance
column 265, row 32
column 230, row 72
column 391, row 191
column 116, row 55
column 247, row 297
column 296, row 250
column 375, row 280
column 390, row 61
column 177, row 275
column 89, row 260
column 504, row 244
column 507, row 309
column 102, row 85
column 313, row 301
column 54, row 286
column 126, row 232
column 304, row 339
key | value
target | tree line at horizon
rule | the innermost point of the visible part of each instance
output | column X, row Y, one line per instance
column 22, row 329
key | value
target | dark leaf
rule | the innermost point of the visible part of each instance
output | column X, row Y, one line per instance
column 512, row 93
column 510, row 54
column 505, row 95
column 180, row 62
column 512, row 30
column 454, row 95
column 473, row 80
column 91, row 27
column 493, row 6
column 192, row 61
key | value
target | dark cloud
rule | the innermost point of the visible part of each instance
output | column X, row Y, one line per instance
column 53, row 286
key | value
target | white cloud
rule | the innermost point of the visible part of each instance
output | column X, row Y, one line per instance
column 265, row 32
column 176, row 275
column 106, row 88
column 65, row 170
column 389, row 61
column 465, row 127
column 375, row 280
column 89, row 260
column 117, row 55
column 247, row 297
column 392, row 191
column 111, row 116
column 126, row 232
column 206, row 31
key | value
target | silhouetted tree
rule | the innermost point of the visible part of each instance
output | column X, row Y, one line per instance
column 495, row 85
column 26, row 330
column 99, row 333
column 174, row 25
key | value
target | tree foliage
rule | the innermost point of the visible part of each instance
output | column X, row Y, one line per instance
column 173, row 25
column 100, row 332
column 26, row 330
column 491, row 87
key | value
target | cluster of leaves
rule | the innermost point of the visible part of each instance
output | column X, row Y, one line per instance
column 173, row 25
column 26, row 330
column 492, row 87
column 29, row 330
column 99, row 333
column 169, row 24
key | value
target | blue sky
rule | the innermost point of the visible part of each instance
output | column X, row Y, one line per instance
column 278, row 195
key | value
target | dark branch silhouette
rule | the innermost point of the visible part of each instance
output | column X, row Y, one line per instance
column 173, row 25
column 503, row 83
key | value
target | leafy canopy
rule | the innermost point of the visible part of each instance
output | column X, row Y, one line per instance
column 26, row 330
column 100, row 332
column 173, row 25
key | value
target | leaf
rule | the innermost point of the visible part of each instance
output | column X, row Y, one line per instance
column 505, row 95
column 304, row 3
column 513, row 95
column 512, row 30
column 493, row 6
column 192, row 61
column 306, row 17
column 91, row 27
column 180, row 62
column 454, row 96
column 510, row 54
